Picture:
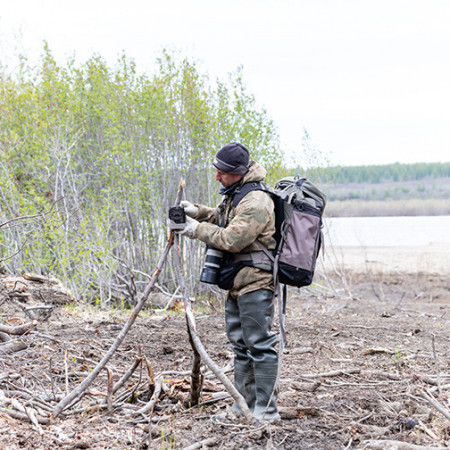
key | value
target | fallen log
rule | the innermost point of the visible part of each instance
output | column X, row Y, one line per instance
column 22, row 416
column 18, row 330
column 12, row 347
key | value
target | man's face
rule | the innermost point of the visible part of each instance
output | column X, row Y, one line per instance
column 227, row 179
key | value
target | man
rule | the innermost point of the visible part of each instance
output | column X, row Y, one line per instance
column 240, row 231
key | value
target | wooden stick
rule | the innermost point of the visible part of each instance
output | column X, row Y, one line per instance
column 383, row 444
column 127, row 375
column 110, row 390
column 202, row 444
column 66, row 371
column 196, row 375
column 433, row 402
column 4, row 337
column 436, row 364
column 121, row 336
column 22, row 416
column 148, row 408
column 190, row 319
column 151, row 377
column 334, row 373
column 444, row 387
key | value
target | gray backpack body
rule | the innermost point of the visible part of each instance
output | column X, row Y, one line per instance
column 299, row 206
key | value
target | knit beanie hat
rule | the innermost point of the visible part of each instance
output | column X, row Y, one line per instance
column 233, row 158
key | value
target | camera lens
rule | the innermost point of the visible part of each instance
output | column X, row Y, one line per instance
column 213, row 261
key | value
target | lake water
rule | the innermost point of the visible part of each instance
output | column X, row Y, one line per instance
column 387, row 231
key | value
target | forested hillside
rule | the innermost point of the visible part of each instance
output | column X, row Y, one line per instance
column 383, row 173
column 91, row 160
column 386, row 190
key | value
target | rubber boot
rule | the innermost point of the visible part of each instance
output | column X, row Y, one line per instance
column 244, row 379
column 249, row 322
column 256, row 314
column 266, row 391
column 244, row 382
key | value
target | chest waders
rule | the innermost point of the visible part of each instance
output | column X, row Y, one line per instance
column 249, row 319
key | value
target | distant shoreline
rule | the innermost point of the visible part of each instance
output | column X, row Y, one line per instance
column 381, row 208
column 433, row 258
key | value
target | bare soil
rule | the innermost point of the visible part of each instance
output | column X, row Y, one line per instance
column 359, row 358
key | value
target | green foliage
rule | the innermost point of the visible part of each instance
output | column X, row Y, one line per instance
column 97, row 152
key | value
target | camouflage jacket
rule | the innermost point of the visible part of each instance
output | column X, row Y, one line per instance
column 252, row 219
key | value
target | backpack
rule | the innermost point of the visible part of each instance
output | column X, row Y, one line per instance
column 299, row 206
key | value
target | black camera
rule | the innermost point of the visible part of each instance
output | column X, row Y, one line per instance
column 211, row 269
column 177, row 217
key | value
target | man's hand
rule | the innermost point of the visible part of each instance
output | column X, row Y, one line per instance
column 189, row 229
column 190, row 209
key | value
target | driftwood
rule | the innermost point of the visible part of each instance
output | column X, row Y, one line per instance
column 334, row 373
column 18, row 330
column 209, row 442
column 12, row 347
column 382, row 444
column 16, row 410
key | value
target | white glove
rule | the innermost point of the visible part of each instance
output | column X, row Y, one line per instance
column 190, row 209
column 189, row 229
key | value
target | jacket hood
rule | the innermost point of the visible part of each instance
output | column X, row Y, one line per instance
column 255, row 173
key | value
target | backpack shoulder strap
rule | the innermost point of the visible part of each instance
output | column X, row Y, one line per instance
column 245, row 189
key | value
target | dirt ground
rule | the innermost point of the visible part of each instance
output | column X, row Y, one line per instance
column 364, row 350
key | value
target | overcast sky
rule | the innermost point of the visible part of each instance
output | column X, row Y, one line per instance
column 368, row 80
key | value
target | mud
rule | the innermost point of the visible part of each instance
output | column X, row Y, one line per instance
column 359, row 359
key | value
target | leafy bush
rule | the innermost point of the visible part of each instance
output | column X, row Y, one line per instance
column 93, row 154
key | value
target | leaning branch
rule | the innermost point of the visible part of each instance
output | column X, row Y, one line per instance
column 77, row 392
column 190, row 319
